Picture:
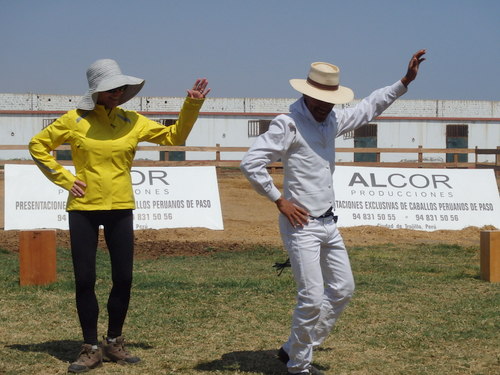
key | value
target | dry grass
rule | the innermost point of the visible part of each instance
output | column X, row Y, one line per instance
column 418, row 309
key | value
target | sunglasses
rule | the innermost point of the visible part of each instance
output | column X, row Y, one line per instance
column 118, row 89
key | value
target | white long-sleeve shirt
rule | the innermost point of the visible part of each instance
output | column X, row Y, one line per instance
column 307, row 150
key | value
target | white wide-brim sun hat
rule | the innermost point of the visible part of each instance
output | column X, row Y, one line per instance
column 104, row 75
column 322, row 83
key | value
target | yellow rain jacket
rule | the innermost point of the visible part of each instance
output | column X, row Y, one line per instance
column 103, row 147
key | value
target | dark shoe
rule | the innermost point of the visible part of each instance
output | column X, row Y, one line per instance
column 283, row 356
column 115, row 352
column 88, row 359
column 311, row 371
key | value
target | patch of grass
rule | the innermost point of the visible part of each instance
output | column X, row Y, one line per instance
column 416, row 310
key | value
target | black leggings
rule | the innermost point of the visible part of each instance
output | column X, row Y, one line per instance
column 119, row 236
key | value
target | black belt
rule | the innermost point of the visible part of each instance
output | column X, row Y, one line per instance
column 328, row 213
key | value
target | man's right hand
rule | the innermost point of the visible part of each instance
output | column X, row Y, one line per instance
column 297, row 216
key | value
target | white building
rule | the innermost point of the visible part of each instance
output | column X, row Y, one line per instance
column 234, row 122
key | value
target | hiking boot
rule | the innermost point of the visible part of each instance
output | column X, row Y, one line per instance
column 114, row 351
column 88, row 359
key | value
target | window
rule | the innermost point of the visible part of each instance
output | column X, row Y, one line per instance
column 368, row 130
column 257, row 127
column 349, row 135
column 457, row 136
column 167, row 121
column 365, row 137
column 171, row 155
column 47, row 121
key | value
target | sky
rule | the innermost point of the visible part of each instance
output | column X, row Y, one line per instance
column 252, row 48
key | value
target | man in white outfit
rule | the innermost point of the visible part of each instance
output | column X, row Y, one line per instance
column 304, row 140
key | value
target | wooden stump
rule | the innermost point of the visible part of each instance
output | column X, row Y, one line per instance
column 37, row 257
column 490, row 255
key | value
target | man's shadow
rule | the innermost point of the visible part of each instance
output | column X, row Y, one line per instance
column 64, row 350
column 262, row 361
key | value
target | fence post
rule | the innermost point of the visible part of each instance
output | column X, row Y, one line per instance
column 490, row 255
column 217, row 153
column 37, row 257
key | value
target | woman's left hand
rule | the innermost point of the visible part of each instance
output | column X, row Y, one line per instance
column 199, row 90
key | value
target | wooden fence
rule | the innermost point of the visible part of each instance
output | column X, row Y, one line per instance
column 416, row 153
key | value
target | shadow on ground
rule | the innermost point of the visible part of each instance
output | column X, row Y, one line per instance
column 257, row 361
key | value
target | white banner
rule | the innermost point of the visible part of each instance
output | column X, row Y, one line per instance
column 166, row 197
column 420, row 199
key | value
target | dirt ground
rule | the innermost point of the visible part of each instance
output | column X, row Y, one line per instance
column 250, row 219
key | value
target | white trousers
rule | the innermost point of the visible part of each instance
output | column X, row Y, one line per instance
column 325, row 284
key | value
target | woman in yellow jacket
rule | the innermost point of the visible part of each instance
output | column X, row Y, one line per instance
column 103, row 140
